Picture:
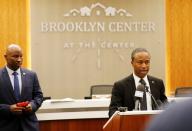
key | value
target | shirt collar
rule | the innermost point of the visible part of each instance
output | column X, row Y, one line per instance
column 137, row 79
column 10, row 72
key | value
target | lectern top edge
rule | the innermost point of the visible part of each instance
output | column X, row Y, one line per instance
column 148, row 112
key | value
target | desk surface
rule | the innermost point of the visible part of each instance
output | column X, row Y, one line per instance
column 74, row 103
column 61, row 109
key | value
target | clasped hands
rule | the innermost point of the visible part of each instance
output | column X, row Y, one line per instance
column 21, row 107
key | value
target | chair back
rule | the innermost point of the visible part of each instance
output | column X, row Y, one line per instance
column 183, row 92
column 46, row 98
column 101, row 91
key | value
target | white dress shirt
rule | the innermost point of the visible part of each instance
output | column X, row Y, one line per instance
column 11, row 76
column 148, row 95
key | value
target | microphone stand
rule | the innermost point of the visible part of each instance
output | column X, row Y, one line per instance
column 137, row 105
column 153, row 99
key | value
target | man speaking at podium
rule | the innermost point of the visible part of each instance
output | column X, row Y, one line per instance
column 151, row 89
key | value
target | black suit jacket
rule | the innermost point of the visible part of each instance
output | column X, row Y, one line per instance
column 31, row 91
column 124, row 90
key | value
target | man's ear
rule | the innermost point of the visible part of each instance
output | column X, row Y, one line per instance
column 132, row 62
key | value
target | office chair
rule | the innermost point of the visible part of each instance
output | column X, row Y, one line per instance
column 46, row 98
column 101, row 90
column 183, row 92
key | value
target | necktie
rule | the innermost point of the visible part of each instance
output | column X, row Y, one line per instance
column 16, row 86
column 144, row 101
column 142, row 82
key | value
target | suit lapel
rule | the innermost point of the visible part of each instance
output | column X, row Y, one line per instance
column 23, row 81
column 7, row 82
column 131, row 83
column 152, row 84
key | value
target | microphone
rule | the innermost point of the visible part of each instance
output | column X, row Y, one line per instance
column 138, row 96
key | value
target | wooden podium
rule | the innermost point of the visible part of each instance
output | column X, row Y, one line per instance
column 130, row 120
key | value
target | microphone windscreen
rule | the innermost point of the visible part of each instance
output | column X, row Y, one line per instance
column 140, row 88
column 139, row 91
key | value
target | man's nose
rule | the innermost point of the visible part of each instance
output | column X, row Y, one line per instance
column 19, row 59
column 144, row 64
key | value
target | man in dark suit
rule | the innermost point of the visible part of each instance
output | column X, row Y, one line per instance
column 124, row 90
column 24, row 87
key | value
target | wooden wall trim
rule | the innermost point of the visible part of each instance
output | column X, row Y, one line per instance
column 14, row 21
column 178, row 44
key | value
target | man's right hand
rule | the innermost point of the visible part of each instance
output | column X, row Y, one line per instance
column 16, row 109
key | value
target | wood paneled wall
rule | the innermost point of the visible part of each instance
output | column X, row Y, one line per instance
column 178, row 44
column 14, row 27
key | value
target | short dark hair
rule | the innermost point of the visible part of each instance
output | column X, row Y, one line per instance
column 137, row 50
